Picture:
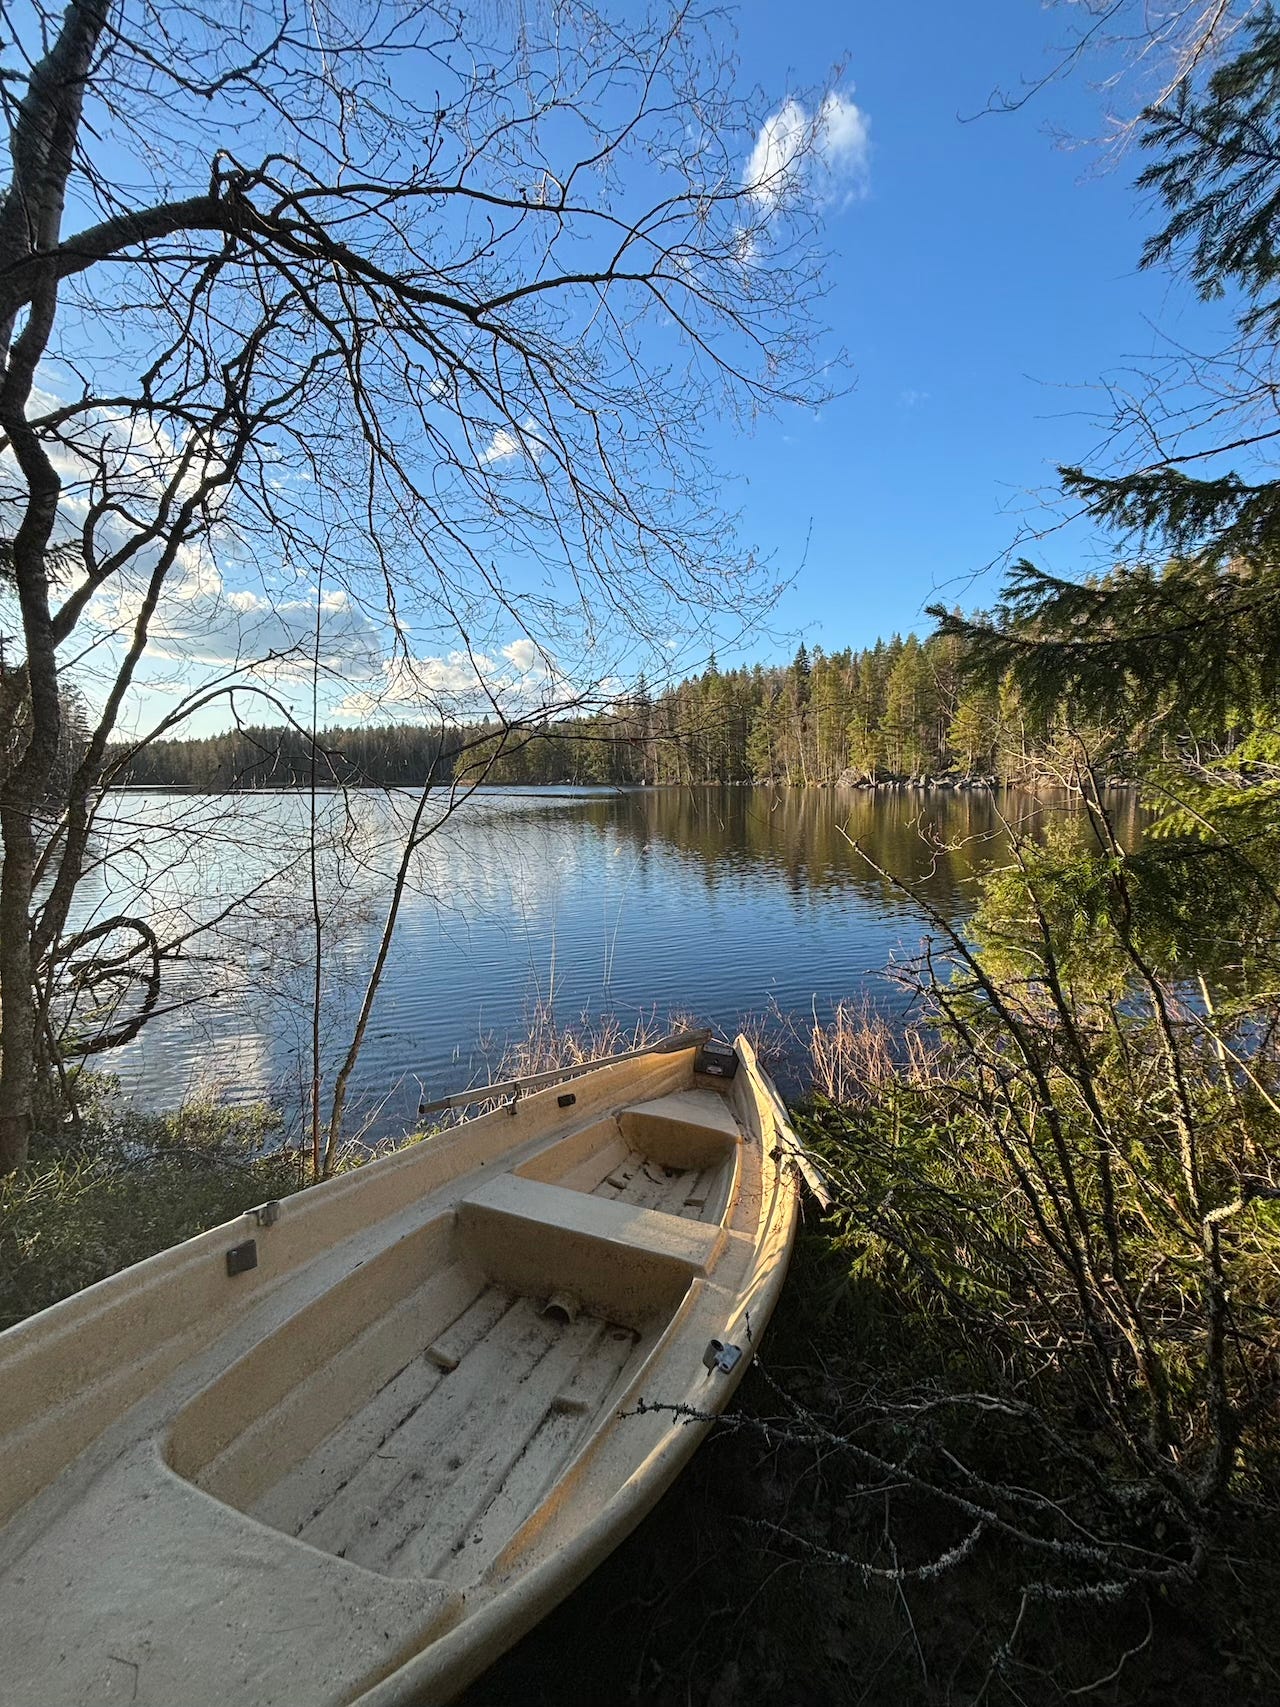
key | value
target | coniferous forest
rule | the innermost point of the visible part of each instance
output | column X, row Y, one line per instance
column 898, row 710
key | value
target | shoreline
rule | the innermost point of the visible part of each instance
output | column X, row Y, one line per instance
column 586, row 790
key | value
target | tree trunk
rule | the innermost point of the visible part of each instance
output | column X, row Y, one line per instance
column 17, row 1017
column 42, row 148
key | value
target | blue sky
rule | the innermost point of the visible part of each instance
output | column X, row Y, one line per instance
column 984, row 283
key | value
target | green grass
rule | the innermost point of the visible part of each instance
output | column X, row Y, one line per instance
column 128, row 1185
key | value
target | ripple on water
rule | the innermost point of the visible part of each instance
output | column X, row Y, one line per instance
column 718, row 903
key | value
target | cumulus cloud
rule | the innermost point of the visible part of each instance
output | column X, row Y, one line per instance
column 214, row 615
column 407, row 681
column 834, row 141
column 845, row 133
column 510, row 442
column 204, row 619
column 220, row 627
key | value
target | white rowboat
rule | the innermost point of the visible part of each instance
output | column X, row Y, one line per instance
column 350, row 1447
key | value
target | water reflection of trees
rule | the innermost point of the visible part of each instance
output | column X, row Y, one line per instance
column 941, row 841
column 516, row 886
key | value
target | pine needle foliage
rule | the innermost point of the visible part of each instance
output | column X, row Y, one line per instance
column 1219, row 178
column 1192, row 626
column 1185, row 639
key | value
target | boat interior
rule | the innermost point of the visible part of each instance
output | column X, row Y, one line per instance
column 410, row 1419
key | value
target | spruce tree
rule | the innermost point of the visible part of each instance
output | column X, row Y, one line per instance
column 1190, row 625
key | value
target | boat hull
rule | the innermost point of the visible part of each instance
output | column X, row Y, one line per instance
column 355, row 1462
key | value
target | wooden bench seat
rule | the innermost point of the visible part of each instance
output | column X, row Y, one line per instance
column 618, row 1260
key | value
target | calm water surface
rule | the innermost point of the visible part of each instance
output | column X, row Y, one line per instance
column 715, row 903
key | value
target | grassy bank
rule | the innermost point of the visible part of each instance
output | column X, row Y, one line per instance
column 122, row 1185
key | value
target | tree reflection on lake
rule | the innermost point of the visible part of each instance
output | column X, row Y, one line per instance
column 713, row 902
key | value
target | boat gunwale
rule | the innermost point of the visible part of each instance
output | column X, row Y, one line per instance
column 200, row 1308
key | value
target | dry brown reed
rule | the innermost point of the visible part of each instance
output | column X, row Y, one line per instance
column 849, row 1059
column 856, row 1055
column 550, row 1044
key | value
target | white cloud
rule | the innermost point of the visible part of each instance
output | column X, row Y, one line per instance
column 220, row 628
column 458, row 684
column 834, row 141
column 209, row 619
column 509, row 442
column 503, row 445
column 845, row 134
column 772, row 168
column 201, row 620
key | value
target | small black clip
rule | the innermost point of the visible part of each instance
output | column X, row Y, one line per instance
column 241, row 1258
column 567, row 1100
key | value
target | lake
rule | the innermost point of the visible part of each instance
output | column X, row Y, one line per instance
column 714, row 903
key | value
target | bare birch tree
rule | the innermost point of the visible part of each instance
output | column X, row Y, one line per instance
column 440, row 298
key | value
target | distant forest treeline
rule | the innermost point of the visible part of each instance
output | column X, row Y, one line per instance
column 897, row 709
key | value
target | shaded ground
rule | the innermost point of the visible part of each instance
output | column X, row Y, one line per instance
column 705, row 1607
